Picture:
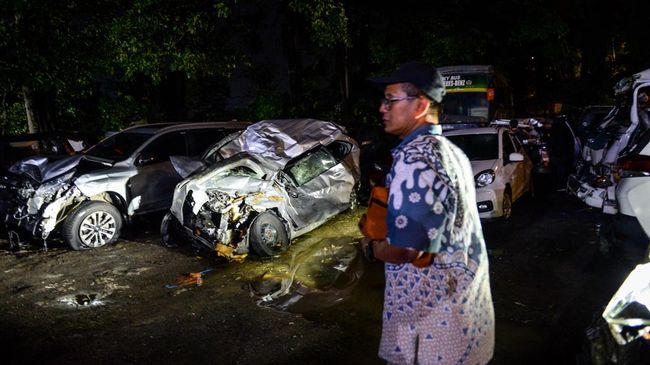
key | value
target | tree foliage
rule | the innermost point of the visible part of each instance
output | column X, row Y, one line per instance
column 154, row 37
column 48, row 52
column 104, row 64
column 328, row 23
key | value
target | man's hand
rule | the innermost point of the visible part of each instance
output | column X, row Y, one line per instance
column 366, row 249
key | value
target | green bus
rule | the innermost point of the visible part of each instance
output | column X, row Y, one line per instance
column 475, row 94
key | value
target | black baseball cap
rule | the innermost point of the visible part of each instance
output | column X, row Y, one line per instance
column 424, row 77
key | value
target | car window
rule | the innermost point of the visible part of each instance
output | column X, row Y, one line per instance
column 508, row 147
column 212, row 153
column 515, row 140
column 200, row 139
column 119, row 146
column 310, row 165
column 339, row 149
column 169, row 144
column 478, row 146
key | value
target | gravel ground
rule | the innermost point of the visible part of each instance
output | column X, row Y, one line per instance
column 111, row 305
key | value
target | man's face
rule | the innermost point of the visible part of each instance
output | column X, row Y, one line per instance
column 398, row 115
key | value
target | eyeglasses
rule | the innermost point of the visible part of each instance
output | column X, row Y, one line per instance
column 388, row 102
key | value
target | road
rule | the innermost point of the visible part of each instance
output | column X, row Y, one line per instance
column 123, row 304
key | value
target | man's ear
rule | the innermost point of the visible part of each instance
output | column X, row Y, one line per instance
column 422, row 107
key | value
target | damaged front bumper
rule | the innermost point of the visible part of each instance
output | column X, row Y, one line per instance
column 228, row 240
column 596, row 197
column 39, row 210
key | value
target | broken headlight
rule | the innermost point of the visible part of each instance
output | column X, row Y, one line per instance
column 48, row 192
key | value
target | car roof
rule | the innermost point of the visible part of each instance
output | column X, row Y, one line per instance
column 280, row 140
column 166, row 127
column 40, row 136
column 466, row 131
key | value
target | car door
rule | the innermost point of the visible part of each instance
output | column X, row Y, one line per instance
column 153, row 185
column 526, row 164
column 514, row 169
column 318, row 185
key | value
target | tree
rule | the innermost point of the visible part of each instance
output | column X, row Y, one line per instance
column 48, row 49
column 68, row 60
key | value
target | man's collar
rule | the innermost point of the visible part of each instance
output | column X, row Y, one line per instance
column 434, row 129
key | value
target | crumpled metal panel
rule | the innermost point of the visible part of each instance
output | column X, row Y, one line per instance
column 253, row 167
column 281, row 140
column 629, row 308
column 93, row 183
column 319, row 199
column 215, row 178
column 40, row 169
column 59, row 188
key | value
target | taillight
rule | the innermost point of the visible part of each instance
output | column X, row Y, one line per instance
column 635, row 165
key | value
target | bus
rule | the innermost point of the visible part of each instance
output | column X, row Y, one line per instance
column 476, row 94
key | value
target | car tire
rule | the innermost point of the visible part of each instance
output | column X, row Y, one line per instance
column 92, row 225
column 506, row 205
column 267, row 235
column 168, row 233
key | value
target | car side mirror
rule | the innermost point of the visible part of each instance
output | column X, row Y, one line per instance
column 515, row 157
column 146, row 158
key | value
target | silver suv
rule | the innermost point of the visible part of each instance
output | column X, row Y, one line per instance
column 89, row 196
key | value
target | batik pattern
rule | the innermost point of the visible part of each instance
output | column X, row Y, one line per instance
column 441, row 314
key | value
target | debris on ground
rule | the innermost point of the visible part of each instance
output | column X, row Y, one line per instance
column 190, row 278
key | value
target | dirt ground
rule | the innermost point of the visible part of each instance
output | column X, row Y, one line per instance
column 122, row 304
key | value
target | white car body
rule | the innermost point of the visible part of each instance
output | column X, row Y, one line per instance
column 633, row 189
column 510, row 166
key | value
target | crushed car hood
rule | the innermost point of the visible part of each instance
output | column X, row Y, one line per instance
column 205, row 180
column 40, row 169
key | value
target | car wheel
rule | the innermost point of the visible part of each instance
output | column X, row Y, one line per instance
column 168, row 230
column 267, row 235
column 93, row 224
column 506, row 205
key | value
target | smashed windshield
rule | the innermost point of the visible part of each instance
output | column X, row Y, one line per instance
column 311, row 165
column 478, row 146
column 120, row 146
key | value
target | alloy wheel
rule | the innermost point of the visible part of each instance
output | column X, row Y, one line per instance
column 97, row 229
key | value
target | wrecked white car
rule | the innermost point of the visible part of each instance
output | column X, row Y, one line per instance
column 263, row 187
column 89, row 196
column 621, row 335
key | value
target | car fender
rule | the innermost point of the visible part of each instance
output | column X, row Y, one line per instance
column 114, row 181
